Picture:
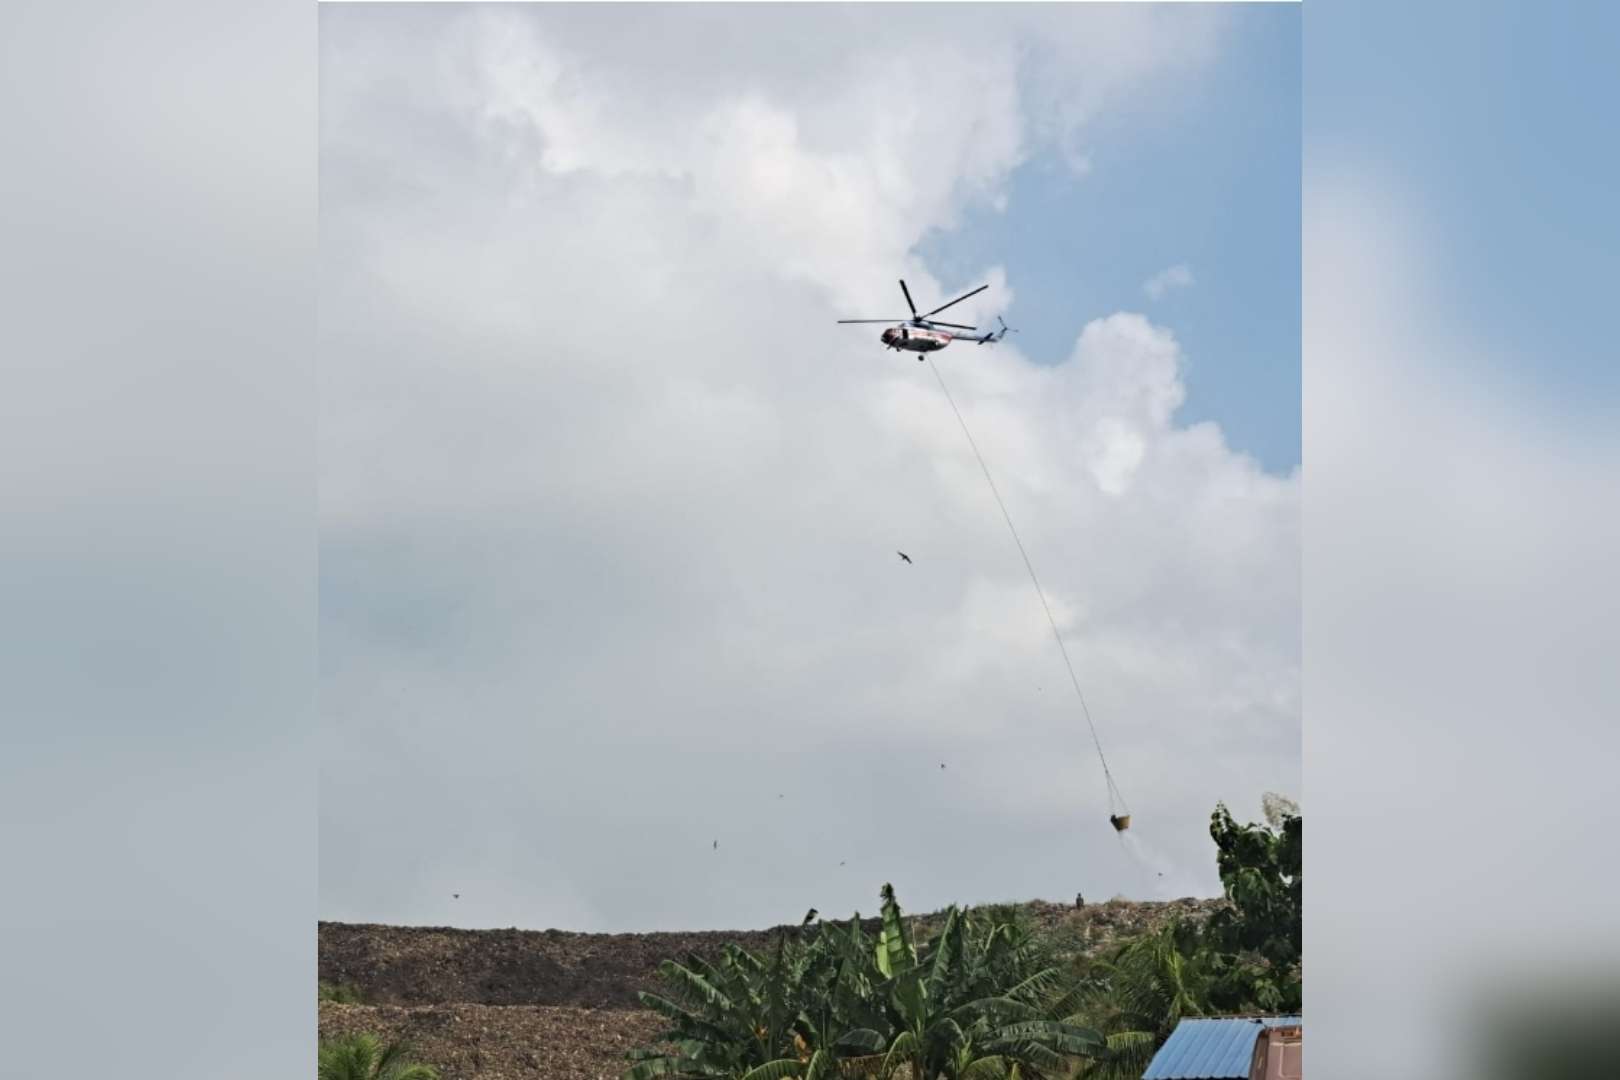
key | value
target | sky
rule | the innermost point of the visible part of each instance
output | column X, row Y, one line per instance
column 1507, row 123
column 1185, row 206
column 610, row 506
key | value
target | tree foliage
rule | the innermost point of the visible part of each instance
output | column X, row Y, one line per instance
column 1258, row 939
column 1140, row 991
column 341, row 993
column 1245, row 959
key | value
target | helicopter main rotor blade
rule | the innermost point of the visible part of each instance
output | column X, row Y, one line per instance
column 952, row 325
column 899, row 319
column 909, row 304
column 958, row 300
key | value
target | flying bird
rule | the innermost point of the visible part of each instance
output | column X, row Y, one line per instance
column 717, row 845
column 903, row 555
column 455, row 896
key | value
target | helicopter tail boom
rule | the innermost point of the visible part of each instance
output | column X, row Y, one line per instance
column 995, row 336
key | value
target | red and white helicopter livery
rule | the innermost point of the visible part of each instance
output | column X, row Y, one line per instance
column 922, row 333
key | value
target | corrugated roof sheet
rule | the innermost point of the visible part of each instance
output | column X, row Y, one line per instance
column 1215, row 1049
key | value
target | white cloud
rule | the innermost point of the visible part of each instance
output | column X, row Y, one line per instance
column 1176, row 277
column 610, row 504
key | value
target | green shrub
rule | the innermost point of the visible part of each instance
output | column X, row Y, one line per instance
column 366, row 1057
column 341, row 993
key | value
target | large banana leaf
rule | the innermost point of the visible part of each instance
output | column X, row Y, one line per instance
column 1044, row 1047
column 743, row 958
column 668, row 1007
column 994, row 1067
column 782, row 1069
column 698, row 987
column 1000, row 1010
column 947, row 952
column 1040, row 1058
column 905, row 1048
column 1045, row 985
column 1064, row 1038
column 895, row 953
column 669, row 1066
column 943, row 1039
column 909, row 998
column 861, row 1039
column 1128, row 1054
column 776, row 994
column 822, row 1066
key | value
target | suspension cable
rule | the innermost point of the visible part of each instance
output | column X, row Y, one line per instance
column 1116, row 801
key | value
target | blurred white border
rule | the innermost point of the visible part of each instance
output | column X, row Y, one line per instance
column 158, row 407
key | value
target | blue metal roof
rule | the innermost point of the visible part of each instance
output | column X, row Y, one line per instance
column 1215, row 1049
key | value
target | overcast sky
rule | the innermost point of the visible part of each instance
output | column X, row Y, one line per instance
column 610, row 505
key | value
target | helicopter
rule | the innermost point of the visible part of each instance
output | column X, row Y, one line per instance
column 922, row 333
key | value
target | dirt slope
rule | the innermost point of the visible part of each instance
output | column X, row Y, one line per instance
column 513, row 1042
column 403, row 965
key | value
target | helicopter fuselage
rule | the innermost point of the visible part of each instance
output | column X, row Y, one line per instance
column 916, row 339
column 922, row 335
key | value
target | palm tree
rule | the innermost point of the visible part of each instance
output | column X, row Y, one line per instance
column 365, row 1057
column 1140, row 993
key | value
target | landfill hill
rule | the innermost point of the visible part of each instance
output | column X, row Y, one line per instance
column 532, row 1004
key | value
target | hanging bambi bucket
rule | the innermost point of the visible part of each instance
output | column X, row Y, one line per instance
column 1120, row 822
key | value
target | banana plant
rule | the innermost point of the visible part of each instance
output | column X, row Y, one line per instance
column 841, row 1009
column 976, row 1003
column 727, row 1019
column 745, row 1018
column 970, row 1008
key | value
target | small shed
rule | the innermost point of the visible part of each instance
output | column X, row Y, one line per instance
column 1227, row 1048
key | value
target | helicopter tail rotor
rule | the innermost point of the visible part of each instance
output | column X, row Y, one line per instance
column 991, row 339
